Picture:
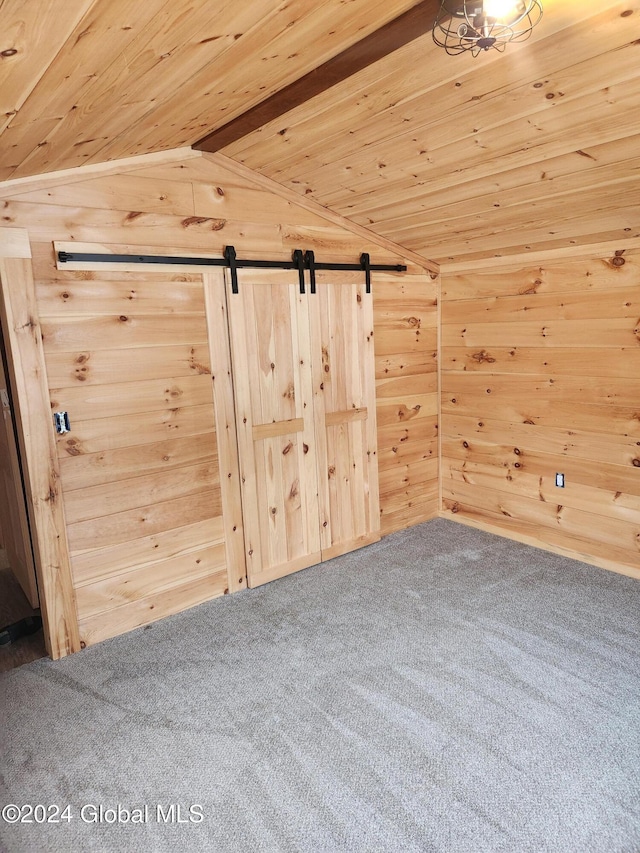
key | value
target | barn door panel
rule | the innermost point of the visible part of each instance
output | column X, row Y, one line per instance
column 341, row 315
column 269, row 332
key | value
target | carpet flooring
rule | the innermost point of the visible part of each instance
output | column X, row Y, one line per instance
column 442, row 690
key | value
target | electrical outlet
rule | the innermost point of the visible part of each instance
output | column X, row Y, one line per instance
column 560, row 481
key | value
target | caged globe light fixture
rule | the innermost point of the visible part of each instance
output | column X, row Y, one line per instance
column 478, row 25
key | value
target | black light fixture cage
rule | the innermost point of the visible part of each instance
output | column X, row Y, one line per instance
column 479, row 25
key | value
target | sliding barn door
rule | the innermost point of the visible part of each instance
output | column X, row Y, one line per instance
column 303, row 372
column 341, row 314
column 270, row 351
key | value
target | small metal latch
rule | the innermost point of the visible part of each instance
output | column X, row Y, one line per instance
column 5, row 398
column 61, row 421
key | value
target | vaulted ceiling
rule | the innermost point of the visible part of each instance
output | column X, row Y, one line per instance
column 453, row 157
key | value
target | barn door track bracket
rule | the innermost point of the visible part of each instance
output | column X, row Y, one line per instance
column 298, row 261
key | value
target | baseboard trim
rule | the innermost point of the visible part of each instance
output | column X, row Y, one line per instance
column 525, row 539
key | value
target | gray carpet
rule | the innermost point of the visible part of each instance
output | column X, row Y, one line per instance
column 442, row 690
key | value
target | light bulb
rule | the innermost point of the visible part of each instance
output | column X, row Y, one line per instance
column 501, row 10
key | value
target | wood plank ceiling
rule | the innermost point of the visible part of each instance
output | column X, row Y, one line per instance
column 453, row 157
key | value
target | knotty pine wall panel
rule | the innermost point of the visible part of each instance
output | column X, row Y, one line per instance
column 539, row 376
column 406, row 343
column 116, row 366
column 127, row 355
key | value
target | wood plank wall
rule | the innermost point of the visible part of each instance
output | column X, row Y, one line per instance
column 188, row 207
column 405, row 323
column 139, row 469
column 540, row 366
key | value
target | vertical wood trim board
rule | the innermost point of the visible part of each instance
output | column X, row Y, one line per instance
column 23, row 337
column 226, row 432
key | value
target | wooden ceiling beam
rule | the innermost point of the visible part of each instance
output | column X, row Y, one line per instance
column 389, row 38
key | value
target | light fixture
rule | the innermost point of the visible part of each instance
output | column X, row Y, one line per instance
column 478, row 25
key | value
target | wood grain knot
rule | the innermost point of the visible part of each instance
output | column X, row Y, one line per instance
column 483, row 356
column 213, row 224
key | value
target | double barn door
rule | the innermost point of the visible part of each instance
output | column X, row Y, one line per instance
column 303, row 376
